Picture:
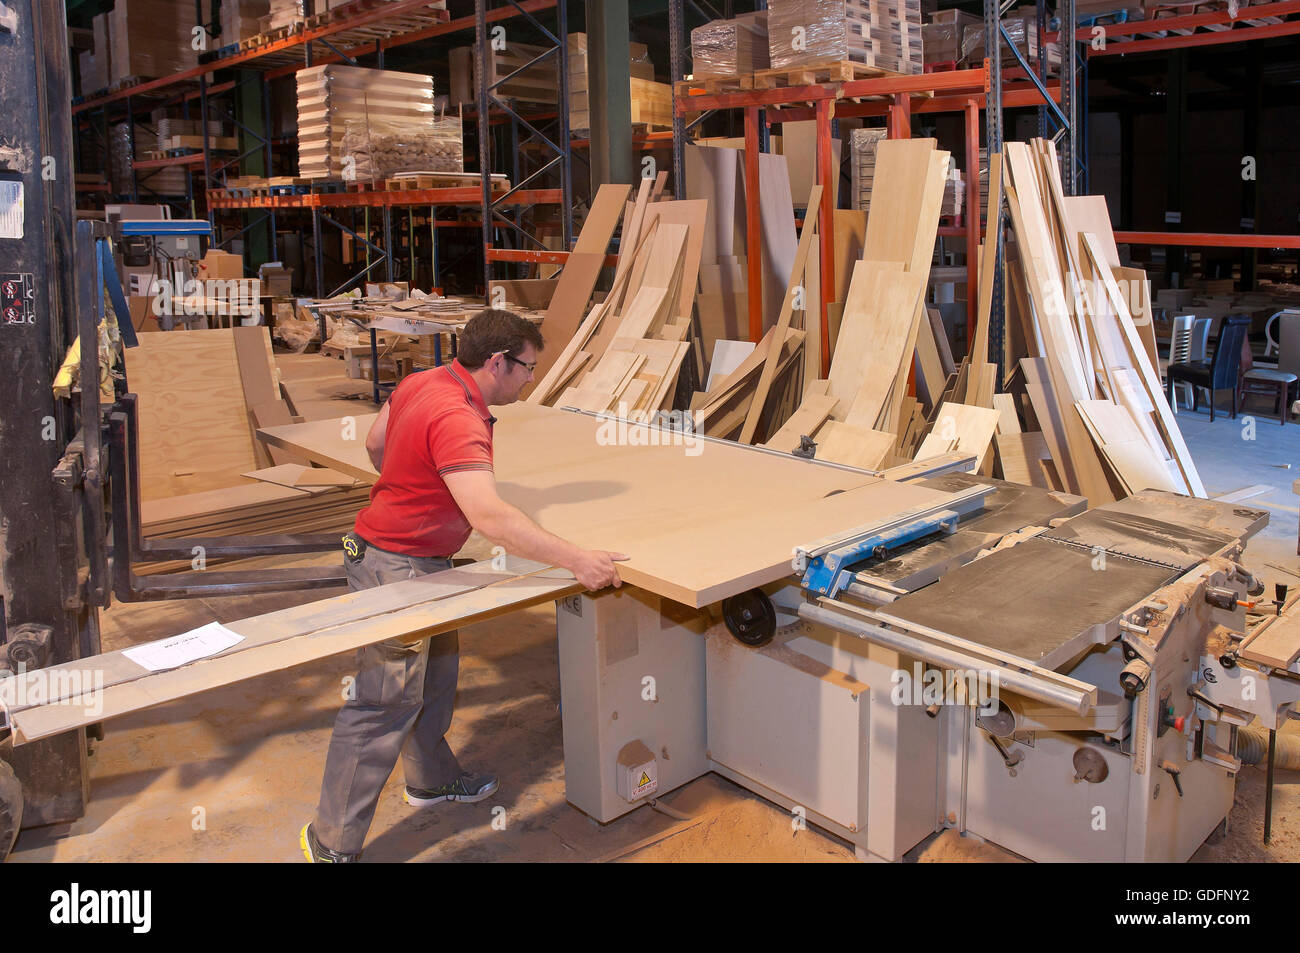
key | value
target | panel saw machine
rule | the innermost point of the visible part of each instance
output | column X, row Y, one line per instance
column 1068, row 685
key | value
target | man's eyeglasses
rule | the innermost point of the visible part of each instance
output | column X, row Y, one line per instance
column 528, row 367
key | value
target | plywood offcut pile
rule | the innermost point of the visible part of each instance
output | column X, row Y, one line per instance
column 626, row 353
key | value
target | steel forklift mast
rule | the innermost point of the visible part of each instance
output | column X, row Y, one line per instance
column 49, row 614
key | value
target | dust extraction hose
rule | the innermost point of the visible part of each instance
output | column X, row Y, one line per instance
column 1252, row 748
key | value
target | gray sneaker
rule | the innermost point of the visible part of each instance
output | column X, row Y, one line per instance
column 318, row 853
column 469, row 787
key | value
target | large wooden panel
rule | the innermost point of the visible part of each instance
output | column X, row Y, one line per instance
column 697, row 521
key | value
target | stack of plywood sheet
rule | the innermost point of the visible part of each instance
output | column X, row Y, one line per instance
column 722, row 49
column 862, row 414
column 642, row 74
column 862, row 164
column 241, row 19
column 885, row 34
column 203, row 471
column 536, row 84
column 150, row 38
column 281, row 14
column 1087, row 369
column 332, row 97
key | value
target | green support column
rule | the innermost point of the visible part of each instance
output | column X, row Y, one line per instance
column 1251, row 106
column 248, row 110
column 609, row 102
column 1175, row 149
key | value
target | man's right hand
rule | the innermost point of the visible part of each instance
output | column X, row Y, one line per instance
column 595, row 569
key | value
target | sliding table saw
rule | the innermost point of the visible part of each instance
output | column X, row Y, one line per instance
column 1072, row 695
column 977, row 655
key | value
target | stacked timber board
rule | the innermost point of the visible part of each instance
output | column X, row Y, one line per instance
column 241, row 19
column 885, row 34
column 648, row 102
column 862, row 164
column 536, row 84
column 150, row 38
column 332, row 97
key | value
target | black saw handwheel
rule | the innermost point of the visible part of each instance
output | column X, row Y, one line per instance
column 750, row 617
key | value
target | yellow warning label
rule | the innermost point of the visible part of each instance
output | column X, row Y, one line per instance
column 645, row 779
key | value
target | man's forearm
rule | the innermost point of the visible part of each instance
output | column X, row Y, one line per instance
column 520, row 536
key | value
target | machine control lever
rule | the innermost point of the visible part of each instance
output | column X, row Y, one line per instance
column 1173, row 771
column 1010, row 758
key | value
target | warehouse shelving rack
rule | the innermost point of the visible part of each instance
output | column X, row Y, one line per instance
column 360, row 30
column 995, row 86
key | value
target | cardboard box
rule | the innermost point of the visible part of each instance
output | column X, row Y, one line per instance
column 220, row 264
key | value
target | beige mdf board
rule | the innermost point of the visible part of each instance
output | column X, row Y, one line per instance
column 799, row 146
column 850, row 233
column 939, row 334
column 1277, row 645
column 927, row 227
column 838, row 442
column 647, row 309
column 1008, row 419
column 1048, row 413
column 629, row 499
column 573, row 290
column 1147, row 372
column 691, row 213
column 779, row 243
column 812, row 413
column 579, row 339
column 871, row 351
column 988, row 263
column 793, row 281
column 1089, row 213
column 810, row 317
column 971, row 427
column 902, row 169
column 1133, row 281
column 633, row 226
column 1123, row 445
column 407, row 610
column 873, row 330
column 603, row 218
column 339, row 444
column 931, row 377
column 1019, row 454
column 195, row 431
column 714, row 174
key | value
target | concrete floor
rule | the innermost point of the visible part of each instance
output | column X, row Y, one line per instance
column 234, row 774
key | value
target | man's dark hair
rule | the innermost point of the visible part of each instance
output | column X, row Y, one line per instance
column 495, row 330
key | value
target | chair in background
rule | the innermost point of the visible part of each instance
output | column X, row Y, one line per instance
column 1200, row 340
column 1221, row 373
column 1277, row 382
column 1271, row 348
column 1180, row 351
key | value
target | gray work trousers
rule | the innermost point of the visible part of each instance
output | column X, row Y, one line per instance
column 401, row 703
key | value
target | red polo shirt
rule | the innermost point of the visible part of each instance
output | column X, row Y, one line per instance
column 438, row 423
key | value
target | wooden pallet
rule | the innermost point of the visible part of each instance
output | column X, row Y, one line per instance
column 715, row 84
column 841, row 72
column 440, row 180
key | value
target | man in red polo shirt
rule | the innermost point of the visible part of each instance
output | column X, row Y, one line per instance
column 432, row 446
